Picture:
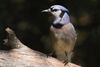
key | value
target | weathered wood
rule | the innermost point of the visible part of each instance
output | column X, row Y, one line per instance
column 20, row 55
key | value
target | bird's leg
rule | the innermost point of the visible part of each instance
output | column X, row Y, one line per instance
column 69, row 56
column 66, row 60
column 51, row 54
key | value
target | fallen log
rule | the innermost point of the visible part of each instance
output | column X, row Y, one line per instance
column 20, row 55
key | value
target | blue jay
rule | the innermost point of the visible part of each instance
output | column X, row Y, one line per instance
column 62, row 32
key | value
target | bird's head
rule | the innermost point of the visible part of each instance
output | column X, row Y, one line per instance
column 57, row 10
column 60, row 14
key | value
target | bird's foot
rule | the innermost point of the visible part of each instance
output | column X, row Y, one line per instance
column 65, row 62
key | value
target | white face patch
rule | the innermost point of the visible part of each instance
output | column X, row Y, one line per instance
column 56, row 14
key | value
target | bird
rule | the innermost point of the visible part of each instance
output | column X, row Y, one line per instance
column 62, row 33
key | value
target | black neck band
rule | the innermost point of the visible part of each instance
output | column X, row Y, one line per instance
column 58, row 25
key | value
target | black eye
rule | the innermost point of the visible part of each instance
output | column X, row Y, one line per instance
column 54, row 10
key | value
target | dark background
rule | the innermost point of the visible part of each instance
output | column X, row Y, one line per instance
column 30, row 25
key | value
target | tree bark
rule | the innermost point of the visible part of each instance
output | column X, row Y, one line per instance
column 20, row 55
